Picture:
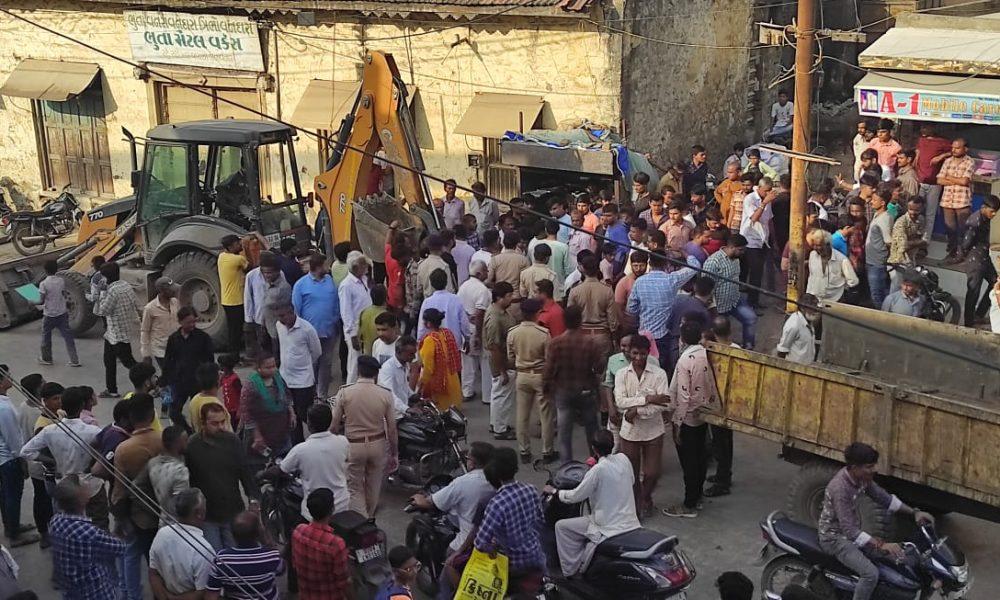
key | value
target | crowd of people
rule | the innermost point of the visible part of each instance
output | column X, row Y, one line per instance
column 595, row 315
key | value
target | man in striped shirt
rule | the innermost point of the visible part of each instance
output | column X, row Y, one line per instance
column 248, row 571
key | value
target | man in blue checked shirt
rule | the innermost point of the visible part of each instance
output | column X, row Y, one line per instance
column 513, row 519
column 653, row 295
column 84, row 555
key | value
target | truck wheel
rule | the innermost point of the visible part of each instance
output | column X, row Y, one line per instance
column 197, row 275
column 81, row 310
column 805, row 500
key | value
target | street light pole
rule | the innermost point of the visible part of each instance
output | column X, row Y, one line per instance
column 805, row 39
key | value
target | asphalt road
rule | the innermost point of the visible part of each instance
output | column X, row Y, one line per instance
column 724, row 537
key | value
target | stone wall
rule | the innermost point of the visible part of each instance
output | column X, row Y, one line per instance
column 676, row 95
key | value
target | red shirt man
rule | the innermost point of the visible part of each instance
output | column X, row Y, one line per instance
column 932, row 150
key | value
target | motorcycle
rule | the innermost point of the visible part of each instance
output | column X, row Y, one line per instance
column 641, row 564
column 280, row 512
column 6, row 224
column 940, row 305
column 930, row 565
column 429, row 444
column 33, row 230
column 429, row 534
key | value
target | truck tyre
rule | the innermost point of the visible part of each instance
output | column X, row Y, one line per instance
column 81, row 310
column 197, row 275
column 805, row 500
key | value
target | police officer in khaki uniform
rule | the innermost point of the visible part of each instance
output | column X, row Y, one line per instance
column 364, row 412
column 526, row 346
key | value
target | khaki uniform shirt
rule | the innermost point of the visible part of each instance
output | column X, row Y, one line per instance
column 526, row 346
column 507, row 266
column 496, row 323
column 364, row 408
column 597, row 302
column 158, row 322
column 532, row 275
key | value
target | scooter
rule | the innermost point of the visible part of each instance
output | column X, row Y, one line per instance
column 930, row 565
column 429, row 444
column 280, row 506
column 429, row 534
column 34, row 229
column 641, row 564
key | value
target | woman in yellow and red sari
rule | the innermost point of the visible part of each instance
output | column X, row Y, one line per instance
column 442, row 363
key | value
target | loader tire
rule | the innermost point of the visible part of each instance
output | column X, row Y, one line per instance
column 805, row 500
column 81, row 310
column 197, row 275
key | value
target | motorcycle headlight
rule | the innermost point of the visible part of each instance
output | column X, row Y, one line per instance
column 960, row 573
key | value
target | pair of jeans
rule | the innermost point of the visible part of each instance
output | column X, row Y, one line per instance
column 693, row 456
column 976, row 303
column 854, row 559
column 11, row 490
column 878, row 283
column 60, row 323
column 114, row 353
column 178, row 398
column 752, row 272
column 218, row 535
column 954, row 222
column 234, row 327
column 722, row 448
column 932, row 199
column 323, row 370
column 41, row 505
column 573, row 406
column 302, row 400
column 137, row 546
column 745, row 314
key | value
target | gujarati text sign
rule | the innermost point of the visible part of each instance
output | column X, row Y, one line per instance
column 929, row 106
column 214, row 41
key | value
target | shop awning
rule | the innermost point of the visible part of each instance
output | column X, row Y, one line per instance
column 325, row 103
column 492, row 115
column 49, row 79
column 927, row 97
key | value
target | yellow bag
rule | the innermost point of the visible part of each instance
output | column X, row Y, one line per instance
column 484, row 578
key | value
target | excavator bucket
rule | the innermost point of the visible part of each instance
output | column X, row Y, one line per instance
column 372, row 216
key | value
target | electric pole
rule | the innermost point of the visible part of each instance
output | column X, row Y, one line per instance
column 805, row 39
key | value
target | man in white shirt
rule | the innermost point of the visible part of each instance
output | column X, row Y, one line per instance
column 782, row 113
column 754, row 227
column 798, row 337
column 464, row 495
column 387, row 332
column 175, row 568
column 300, row 350
column 641, row 396
column 859, row 144
column 608, row 487
column 321, row 460
column 490, row 241
column 263, row 286
column 475, row 298
column 399, row 375
column 354, row 297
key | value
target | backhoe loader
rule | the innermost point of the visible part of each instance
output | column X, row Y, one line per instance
column 202, row 180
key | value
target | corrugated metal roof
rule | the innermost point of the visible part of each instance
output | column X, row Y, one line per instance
column 511, row 7
column 935, row 50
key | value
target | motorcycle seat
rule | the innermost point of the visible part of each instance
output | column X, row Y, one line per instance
column 639, row 544
column 800, row 536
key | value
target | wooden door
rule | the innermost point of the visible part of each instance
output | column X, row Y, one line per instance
column 75, row 144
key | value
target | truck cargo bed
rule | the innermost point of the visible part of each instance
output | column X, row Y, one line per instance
column 944, row 443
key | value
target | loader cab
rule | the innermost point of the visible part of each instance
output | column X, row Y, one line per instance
column 212, row 177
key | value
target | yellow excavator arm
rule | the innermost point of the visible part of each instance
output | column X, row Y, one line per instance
column 381, row 120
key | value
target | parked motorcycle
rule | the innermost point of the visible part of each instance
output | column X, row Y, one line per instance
column 931, row 565
column 641, row 564
column 33, row 230
column 429, row 534
column 6, row 224
column 940, row 305
column 429, row 444
column 280, row 512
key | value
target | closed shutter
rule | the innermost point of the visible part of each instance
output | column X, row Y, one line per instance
column 75, row 144
column 179, row 104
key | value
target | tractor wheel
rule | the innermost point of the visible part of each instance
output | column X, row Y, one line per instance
column 197, row 275
column 805, row 500
column 81, row 310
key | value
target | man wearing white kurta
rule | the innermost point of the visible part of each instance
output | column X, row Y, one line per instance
column 355, row 296
column 476, row 299
column 608, row 486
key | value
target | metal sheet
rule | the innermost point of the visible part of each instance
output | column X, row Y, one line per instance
column 325, row 103
column 537, row 156
column 935, row 50
column 491, row 115
column 49, row 79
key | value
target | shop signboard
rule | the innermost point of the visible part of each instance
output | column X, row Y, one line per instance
column 212, row 41
column 928, row 105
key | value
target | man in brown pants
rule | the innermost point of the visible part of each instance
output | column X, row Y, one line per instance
column 365, row 412
column 526, row 345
